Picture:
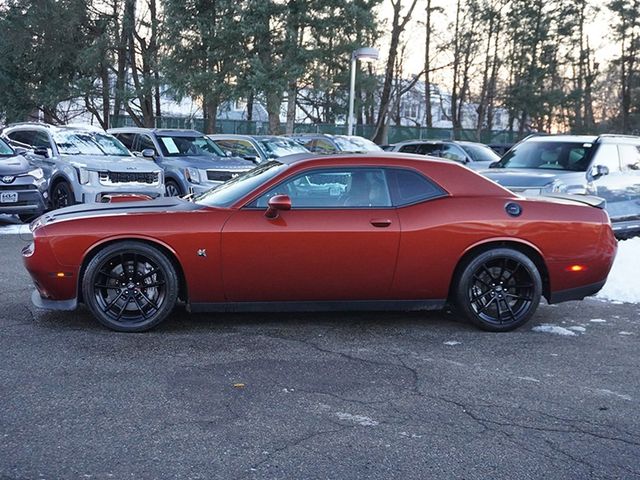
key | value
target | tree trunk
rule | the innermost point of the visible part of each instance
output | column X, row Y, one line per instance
column 291, row 107
column 274, row 102
column 427, row 68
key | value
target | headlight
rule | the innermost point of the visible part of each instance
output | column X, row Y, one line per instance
column 36, row 173
column 192, row 174
column 83, row 175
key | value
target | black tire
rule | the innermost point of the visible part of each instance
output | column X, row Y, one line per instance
column 61, row 195
column 498, row 290
column 27, row 217
column 130, row 286
column 172, row 189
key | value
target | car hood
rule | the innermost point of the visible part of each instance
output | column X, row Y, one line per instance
column 112, row 163
column 213, row 162
column 88, row 210
column 15, row 165
column 526, row 177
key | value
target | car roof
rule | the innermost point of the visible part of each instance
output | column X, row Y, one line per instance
column 562, row 138
column 176, row 132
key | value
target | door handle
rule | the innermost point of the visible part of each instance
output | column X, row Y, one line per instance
column 380, row 222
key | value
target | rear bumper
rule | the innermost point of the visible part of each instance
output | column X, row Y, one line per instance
column 576, row 293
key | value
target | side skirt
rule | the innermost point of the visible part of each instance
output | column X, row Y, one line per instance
column 320, row 306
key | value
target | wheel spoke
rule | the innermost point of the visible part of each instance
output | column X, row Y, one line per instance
column 519, row 297
column 487, row 305
column 148, row 274
column 140, row 307
column 149, row 301
column 513, row 315
column 476, row 277
column 122, row 308
column 110, row 275
column 108, row 287
column 478, row 297
column 488, row 272
column 151, row 285
column 113, row 302
column 524, row 285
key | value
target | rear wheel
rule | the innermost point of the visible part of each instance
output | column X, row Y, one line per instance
column 499, row 290
column 130, row 286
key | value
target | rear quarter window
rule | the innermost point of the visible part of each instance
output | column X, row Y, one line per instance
column 408, row 187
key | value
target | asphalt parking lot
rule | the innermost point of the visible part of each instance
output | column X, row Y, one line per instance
column 316, row 396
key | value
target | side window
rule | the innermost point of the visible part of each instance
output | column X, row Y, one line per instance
column 453, row 152
column 434, row 150
column 630, row 157
column 324, row 146
column 23, row 138
column 33, row 138
column 409, row 148
column 607, row 155
column 126, row 139
column 145, row 141
column 335, row 188
column 237, row 147
column 408, row 187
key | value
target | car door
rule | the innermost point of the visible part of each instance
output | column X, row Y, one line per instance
column 338, row 242
column 621, row 186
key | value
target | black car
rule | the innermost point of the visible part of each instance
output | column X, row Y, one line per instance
column 23, row 186
column 475, row 156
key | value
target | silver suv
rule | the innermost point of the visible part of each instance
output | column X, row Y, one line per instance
column 85, row 163
column 607, row 166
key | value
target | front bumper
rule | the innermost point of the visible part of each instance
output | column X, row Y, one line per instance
column 46, row 304
column 31, row 196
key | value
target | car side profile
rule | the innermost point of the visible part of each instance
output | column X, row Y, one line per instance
column 339, row 232
column 607, row 166
column 191, row 162
column 23, row 186
column 476, row 156
column 257, row 148
column 85, row 164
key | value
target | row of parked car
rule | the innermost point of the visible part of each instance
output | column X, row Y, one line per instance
column 47, row 166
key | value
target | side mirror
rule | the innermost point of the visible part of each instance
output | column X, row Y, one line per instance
column 598, row 171
column 228, row 153
column 42, row 151
column 149, row 153
column 20, row 150
column 277, row 203
column 494, row 164
column 251, row 158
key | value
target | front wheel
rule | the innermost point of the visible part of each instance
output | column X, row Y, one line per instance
column 130, row 286
column 62, row 195
column 172, row 189
column 499, row 289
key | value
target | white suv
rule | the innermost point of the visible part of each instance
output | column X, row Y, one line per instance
column 85, row 164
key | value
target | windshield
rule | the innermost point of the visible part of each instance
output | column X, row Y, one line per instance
column 480, row 153
column 182, row 146
column 355, row 144
column 279, row 147
column 230, row 192
column 88, row 143
column 5, row 149
column 570, row 156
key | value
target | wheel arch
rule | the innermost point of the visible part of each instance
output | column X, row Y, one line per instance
column 60, row 177
column 162, row 247
column 526, row 248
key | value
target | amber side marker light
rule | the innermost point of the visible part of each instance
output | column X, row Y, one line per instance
column 60, row 274
column 576, row 268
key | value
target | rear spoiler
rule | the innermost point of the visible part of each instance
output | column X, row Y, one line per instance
column 590, row 200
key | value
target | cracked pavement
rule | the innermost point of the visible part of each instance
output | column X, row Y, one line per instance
column 316, row 396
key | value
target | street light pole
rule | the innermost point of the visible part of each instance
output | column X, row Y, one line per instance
column 364, row 53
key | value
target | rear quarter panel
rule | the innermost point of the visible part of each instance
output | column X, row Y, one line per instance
column 437, row 234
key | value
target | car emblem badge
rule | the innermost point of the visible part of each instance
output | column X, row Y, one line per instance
column 202, row 252
column 8, row 178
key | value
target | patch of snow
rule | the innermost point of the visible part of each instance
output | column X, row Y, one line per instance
column 620, row 286
column 14, row 229
column 555, row 329
column 626, row 333
column 529, row 379
column 452, row 342
column 359, row 419
column 598, row 320
column 578, row 329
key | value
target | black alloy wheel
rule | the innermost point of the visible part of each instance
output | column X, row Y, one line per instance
column 62, row 195
column 499, row 290
column 130, row 286
column 172, row 189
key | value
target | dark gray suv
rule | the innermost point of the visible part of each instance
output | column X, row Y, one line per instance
column 192, row 163
column 607, row 166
